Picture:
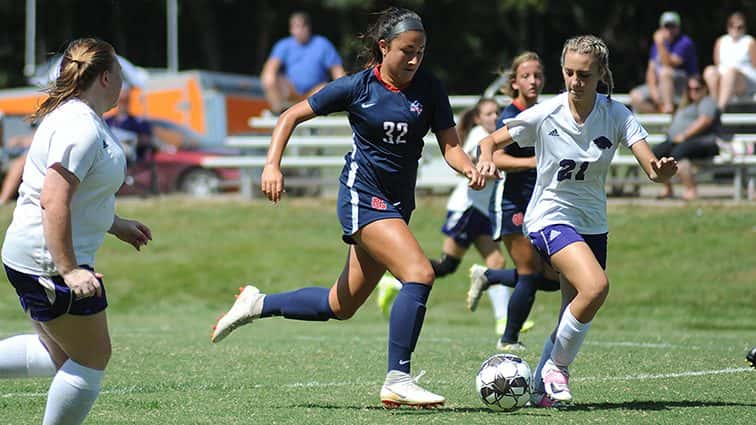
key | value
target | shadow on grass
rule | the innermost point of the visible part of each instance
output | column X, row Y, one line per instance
column 653, row 405
column 406, row 410
column 643, row 405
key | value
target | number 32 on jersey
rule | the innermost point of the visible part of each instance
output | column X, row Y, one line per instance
column 395, row 132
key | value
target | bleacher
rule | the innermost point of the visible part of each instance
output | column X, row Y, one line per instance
column 314, row 155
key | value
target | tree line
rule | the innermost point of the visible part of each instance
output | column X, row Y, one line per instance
column 468, row 41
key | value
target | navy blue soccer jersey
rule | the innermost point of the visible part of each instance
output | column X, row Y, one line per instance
column 517, row 185
column 389, row 125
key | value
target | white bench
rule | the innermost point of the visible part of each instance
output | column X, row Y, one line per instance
column 730, row 157
column 327, row 134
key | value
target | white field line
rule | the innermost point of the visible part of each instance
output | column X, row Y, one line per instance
column 315, row 384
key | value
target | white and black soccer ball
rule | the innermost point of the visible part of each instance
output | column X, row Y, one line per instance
column 503, row 382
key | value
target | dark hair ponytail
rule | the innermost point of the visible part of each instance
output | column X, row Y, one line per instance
column 390, row 23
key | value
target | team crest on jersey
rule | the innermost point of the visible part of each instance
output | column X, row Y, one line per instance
column 378, row 203
column 416, row 107
column 602, row 142
column 517, row 219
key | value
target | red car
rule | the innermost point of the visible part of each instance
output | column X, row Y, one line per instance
column 176, row 165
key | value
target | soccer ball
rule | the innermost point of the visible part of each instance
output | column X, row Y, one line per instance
column 503, row 382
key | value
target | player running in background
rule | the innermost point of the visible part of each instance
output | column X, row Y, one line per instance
column 575, row 135
column 66, row 204
column 391, row 105
column 509, row 200
column 467, row 220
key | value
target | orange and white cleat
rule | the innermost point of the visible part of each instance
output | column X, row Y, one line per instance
column 401, row 389
column 246, row 308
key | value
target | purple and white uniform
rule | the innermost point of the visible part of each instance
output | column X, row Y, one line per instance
column 572, row 161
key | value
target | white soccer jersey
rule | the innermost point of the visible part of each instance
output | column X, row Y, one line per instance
column 463, row 197
column 572, row 160
column 80, row 140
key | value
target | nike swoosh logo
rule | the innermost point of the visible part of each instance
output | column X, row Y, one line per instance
column 403, row 362
column 367, row 105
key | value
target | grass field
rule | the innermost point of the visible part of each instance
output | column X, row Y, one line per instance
column 668, row 347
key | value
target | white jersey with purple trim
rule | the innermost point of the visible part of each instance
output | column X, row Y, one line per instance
column 463, row 196
column 572, row 160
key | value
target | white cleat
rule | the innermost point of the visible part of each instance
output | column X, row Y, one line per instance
column 401, row 389
column 478, row 284
column 246, row 308
column 556, row 381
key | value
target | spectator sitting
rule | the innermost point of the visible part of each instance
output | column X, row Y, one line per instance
column 672, row 60
column 734, row 69
column 144, row 150
column 124, row 120
column 691, row 135
column 16, row 148
column 307, row 62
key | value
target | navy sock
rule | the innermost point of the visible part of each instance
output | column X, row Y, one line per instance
column 406, row 320
column 546, row 284
column 506, row 277
column 303, row 304
column 520, row 304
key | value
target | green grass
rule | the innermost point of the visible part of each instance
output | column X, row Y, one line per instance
column 682, row 300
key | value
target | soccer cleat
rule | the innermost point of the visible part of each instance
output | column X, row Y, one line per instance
column 510, row 347
column 751, row 357
column 388, row 289
column 478, row 284
column 556, row 381
column 246, row 308
column 401, row 389
column 542, row 400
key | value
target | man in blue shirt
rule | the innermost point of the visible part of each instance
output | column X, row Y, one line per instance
column 299, row 65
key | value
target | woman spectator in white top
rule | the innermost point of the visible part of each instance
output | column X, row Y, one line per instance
column 66, row 205
column 575, row 135
column 734, row 69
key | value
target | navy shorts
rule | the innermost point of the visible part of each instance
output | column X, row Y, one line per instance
column 48, row 297
column 465, row 227
column 507, row 219
column 551, row 239
column 357, row 208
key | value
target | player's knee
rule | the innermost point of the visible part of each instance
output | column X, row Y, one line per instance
column 96, row 357
column 421, row 273
column 344, row 314
column 446, row 266
column 597, row 291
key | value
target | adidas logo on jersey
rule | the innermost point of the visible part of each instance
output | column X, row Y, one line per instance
column 554, row 234
column 554, row 132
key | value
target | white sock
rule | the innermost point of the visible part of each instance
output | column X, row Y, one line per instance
column 72, row 393
column 499, row 295
column 569, row 338
column 548, row 346
column 24, row 356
